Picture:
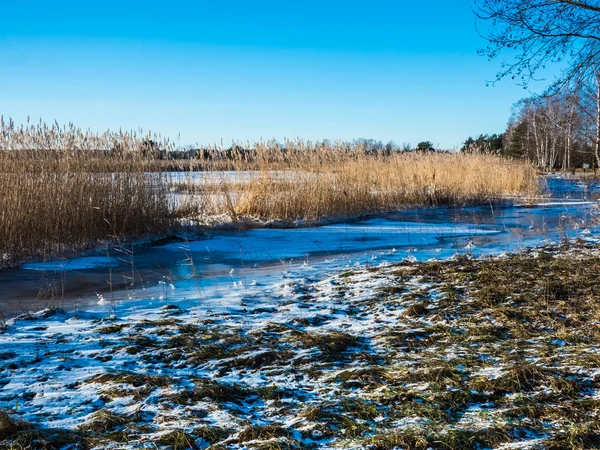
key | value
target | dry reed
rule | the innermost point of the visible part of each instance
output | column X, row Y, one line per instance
column 56, row 207
column 377, row 184
column 64, row 190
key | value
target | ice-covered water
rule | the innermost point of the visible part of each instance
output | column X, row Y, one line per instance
column 230, row 265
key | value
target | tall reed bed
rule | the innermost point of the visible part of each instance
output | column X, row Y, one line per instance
column 55, row 204
column 64, row 190
column 56, row 137
column 371, row 184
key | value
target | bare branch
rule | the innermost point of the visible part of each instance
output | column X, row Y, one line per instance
column 540, row 32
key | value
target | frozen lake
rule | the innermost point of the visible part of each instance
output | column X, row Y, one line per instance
column 227, row 266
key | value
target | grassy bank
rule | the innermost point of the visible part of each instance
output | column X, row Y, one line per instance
column 464, row 354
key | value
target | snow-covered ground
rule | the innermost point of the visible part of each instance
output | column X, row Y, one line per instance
column 385, row 356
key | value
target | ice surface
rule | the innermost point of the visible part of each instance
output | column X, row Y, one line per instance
column 83, row 263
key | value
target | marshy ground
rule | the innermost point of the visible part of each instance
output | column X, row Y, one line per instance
column 466, row 353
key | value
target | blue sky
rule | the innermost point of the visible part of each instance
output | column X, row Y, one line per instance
column 238, row 70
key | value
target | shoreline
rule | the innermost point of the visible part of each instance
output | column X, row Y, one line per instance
column 218, row 224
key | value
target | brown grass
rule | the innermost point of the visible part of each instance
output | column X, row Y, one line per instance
column 64, row 190
column 376, row 184
column 59, row 205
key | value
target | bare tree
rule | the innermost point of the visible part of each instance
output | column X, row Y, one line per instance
column 589, row 109
column 544, row 130
column 538, row 32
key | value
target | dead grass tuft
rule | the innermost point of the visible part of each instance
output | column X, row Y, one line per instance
column 103, row 421
column 177, row 440
column 333, row 343
column 134, row 379
column 11, row 426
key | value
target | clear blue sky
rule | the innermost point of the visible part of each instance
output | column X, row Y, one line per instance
column 250, row 69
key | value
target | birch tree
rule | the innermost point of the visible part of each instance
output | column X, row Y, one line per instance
column 535, row 33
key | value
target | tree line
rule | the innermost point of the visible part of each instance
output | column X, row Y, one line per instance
column 559, row 129
column 553, row 131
